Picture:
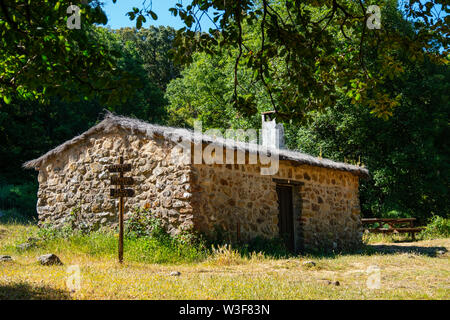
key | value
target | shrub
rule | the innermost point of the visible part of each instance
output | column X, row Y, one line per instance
column 18, row 202
column 141, row 223
column 13, row 216
column 395, row 214
column 49, row 232
column 437, row 228
column 147, row 240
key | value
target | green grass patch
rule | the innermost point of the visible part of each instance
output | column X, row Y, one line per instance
column 104, row 244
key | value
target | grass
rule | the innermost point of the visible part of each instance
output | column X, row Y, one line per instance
column 99, row 244
column 412, row 270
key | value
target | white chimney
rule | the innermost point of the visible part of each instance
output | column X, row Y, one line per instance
column 272, row 132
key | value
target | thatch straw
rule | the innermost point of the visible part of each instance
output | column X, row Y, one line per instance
column 113, row 123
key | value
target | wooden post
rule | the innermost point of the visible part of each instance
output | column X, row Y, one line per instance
column 121, row 218
column 121, row 193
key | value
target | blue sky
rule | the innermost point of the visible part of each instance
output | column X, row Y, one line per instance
column 117, row 18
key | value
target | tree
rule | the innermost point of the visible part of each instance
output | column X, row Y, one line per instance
column 308, row 36
column 204, row 92
column 40, row 54
column 146, row 101
column 153, row 46
column 42, row 57
column 407, row 155
column 29, row 128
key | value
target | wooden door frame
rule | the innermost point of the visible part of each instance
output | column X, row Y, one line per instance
column 286, row 225
column 297, row 187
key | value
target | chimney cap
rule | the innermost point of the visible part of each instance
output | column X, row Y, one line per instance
column 268, row 114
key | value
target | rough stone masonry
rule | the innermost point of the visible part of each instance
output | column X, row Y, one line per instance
column 74, row 185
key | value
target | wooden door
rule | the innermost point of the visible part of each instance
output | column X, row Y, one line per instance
column 285, row 217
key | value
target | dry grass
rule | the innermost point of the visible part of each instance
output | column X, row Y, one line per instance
column 408, row 271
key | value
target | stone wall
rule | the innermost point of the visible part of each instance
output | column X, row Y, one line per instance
column 330, row 211
column 225, row 195
column 75, row 185
column 326, row 206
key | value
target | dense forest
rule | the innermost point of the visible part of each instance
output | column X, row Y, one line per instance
column 405, row 147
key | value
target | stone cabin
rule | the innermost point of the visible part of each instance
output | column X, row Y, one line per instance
column 312, row 203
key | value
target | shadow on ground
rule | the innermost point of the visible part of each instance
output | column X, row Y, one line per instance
column 397, row 248
column 390, row 248
column 24, row 291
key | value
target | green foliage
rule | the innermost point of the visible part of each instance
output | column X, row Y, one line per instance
column 305, row 51
column 41, row 57
column 151, row 48
column 438, row 227
column 311, row 50
column 146, row 234
column 407, row 155
column 204, row 92
column 141, row 223
column 146, row 99
column 169, row 250
column 18, row 202
column 13, row 216
column 395, row 214
column 29, row 129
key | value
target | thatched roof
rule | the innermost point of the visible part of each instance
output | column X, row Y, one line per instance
column 113, row 122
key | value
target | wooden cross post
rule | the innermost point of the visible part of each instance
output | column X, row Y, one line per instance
column 121, row 193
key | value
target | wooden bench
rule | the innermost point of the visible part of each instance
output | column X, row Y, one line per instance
column 402, row 225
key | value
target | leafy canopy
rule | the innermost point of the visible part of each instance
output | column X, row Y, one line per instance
column 321, row 44
column 41, row 57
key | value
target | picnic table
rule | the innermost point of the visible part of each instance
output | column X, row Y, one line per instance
column 391, row 225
